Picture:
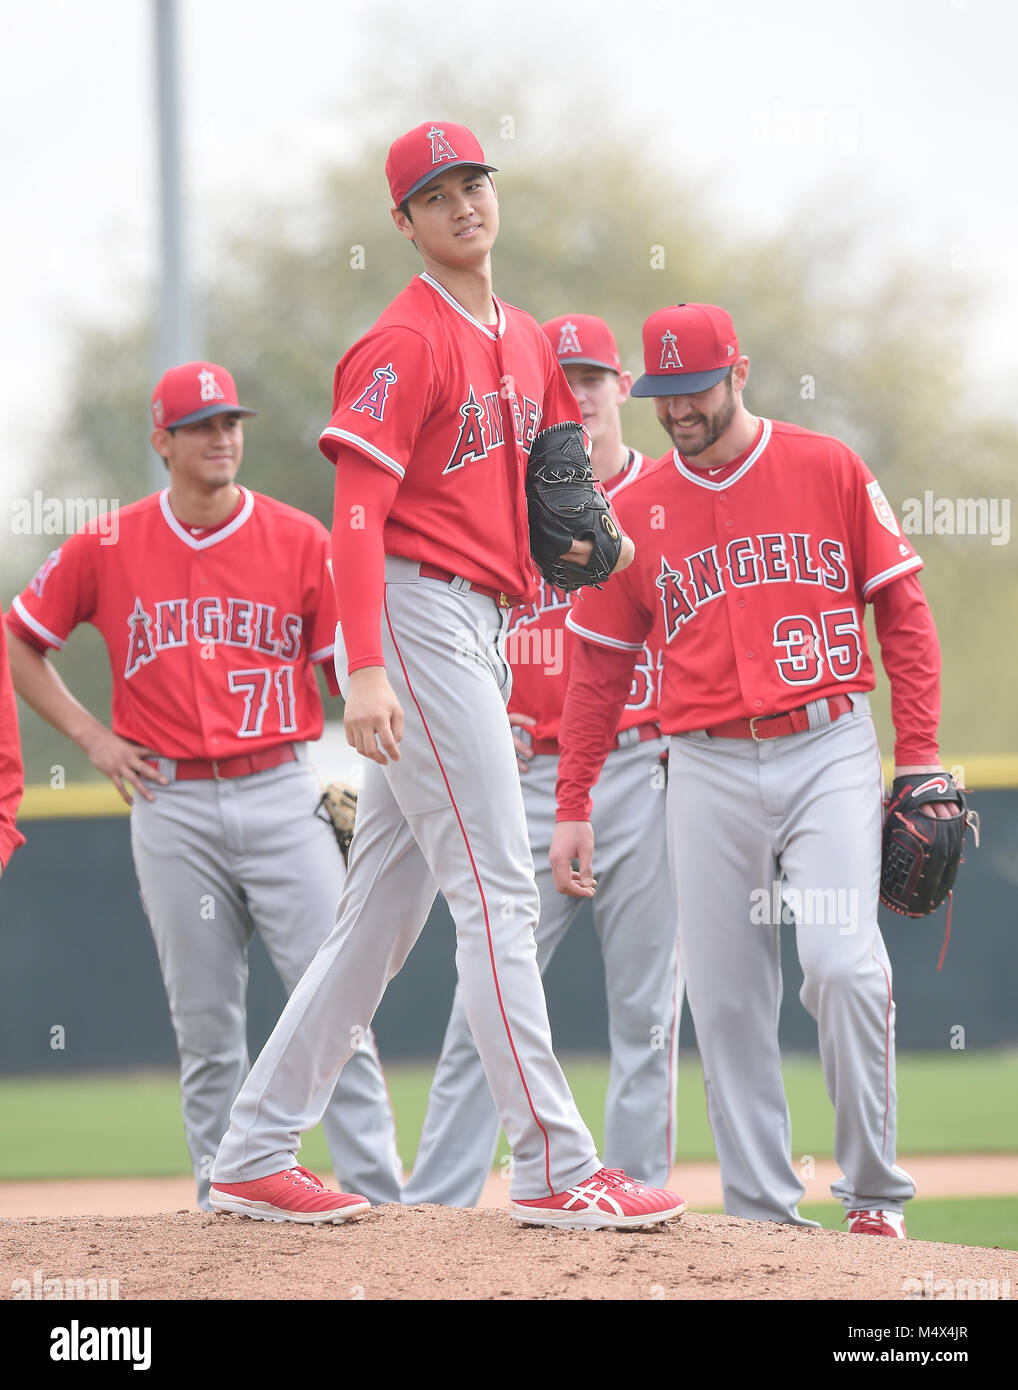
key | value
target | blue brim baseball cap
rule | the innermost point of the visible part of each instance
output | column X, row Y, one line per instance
column 687, row 348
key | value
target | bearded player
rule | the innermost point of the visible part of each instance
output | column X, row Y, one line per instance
column 634, row 912
column 434, row 412
column 758, row 546
column 216, row 605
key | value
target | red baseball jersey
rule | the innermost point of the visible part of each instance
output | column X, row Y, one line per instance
column 451, row 407
column 211, row 638
column 755, row 581
column 539, row 647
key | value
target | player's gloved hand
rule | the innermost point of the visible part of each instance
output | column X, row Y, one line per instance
column 123, row 763
column 940, row 810
column 579, row 553
column 373, row 719
column 524, row 752
column 564, row 506
column 573, row 842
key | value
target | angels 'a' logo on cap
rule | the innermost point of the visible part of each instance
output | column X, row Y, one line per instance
column 670, row 358
column 440, row 147
column 210, row 387
column 372, row 400
column 569, row 340
column 158, row 411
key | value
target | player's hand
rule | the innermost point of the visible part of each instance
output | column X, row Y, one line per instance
column 524, row 752
column 580, row 552
column 627, row 556
column 124, row 763
column 373, row 716
column 940, row 810
column 573, row 841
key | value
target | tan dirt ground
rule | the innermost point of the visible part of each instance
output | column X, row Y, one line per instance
column 146, row 1235
column 444, row 1253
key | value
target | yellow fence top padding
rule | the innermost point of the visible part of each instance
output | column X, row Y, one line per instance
column 91, row 800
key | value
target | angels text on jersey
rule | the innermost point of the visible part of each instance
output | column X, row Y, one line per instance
column 234, row 622
column 772, row 558
column 532, row 643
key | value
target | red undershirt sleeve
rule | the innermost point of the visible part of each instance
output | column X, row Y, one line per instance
column 910, row 652
column 363, row 499
column 600, row 679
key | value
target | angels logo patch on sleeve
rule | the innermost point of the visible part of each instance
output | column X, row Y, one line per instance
column 45, row 570
column 373, row 398
column 882, row 508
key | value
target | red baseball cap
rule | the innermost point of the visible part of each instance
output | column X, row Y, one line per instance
column 421, row 155
column 193, row 392
column 585, row 339
column 686, row 348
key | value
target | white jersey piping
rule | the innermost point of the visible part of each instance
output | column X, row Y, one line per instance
column 365, row 448
column 35, row 625
column 221, row 535
column 600, row 638
column 695, row 475
column 493, row 334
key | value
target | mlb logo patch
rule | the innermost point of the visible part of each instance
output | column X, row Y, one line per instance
column 882, row 508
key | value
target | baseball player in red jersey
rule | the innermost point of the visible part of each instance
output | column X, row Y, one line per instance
column 215, row 604
column 634, row 912
column 758, row 546
column 434, row 410
column 12, row 774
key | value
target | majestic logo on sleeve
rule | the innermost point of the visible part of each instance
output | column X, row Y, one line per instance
column 569, row 340
column 440, row 147
column 210, row 387
column 670, row 358
column 372, row 400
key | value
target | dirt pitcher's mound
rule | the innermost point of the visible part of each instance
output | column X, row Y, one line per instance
column 431, row 1252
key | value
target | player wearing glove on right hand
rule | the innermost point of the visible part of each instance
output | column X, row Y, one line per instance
column 924, row 836
column 634, row 912
column 434, row 411
column 758, row 546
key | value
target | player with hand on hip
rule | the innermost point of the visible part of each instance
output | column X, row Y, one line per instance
column 634, row 910
column 215, row 604
column 434, row 411
column 12, row 773
column 758, row 546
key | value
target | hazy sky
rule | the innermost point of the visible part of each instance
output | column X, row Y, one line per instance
column 907, row 106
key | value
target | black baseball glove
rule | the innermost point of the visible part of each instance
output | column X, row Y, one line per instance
column 921, row 853
column 339, row 804
column 565, row 506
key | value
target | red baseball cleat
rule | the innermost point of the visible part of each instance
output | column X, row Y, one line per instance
column 293, row 1195
column 876, row 1223
column 608, row 1198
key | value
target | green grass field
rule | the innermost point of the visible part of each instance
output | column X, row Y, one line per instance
column 991, row 1221
column 129, row 1125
